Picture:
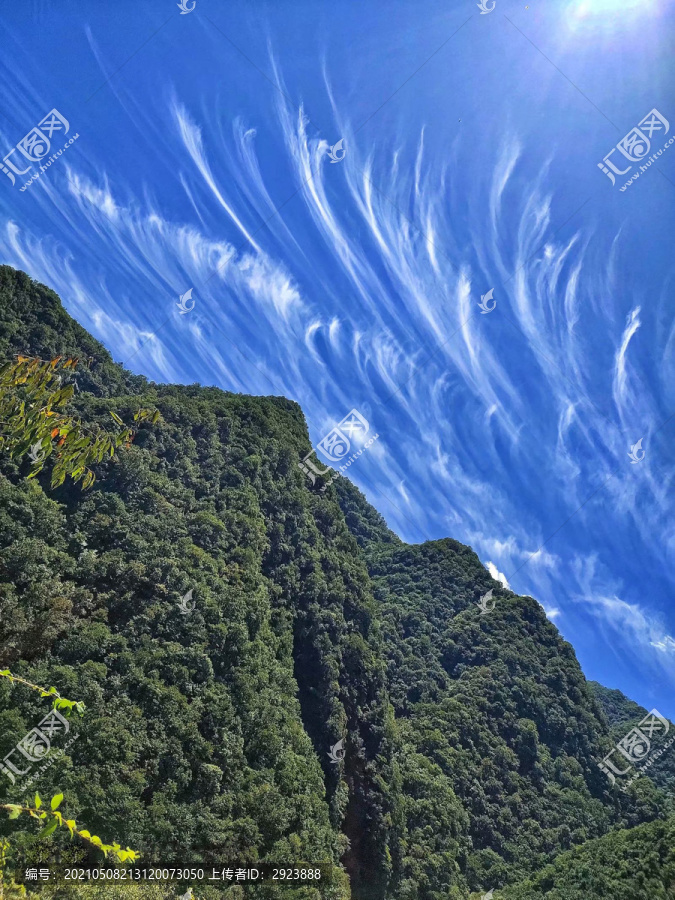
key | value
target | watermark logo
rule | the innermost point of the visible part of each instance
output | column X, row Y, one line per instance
column 335, row 150
column 484, row 304
column 636, row 746
column 486, row 603
column 183, row 301
column 35, row 746
column 36, row 454
column 484, row 8
column 184, row 604
column 184, row 8
column 635, row 146
column 35, row 147
column 337, row 444
column 635, row 451
column 337, row 752
column 310, row 469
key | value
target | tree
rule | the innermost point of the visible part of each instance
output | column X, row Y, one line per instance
column 32, row 421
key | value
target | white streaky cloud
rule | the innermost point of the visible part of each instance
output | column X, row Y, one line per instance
column 552, row 612
column 100, row 197
column 566, row 456
column 572, row 313
column 193, row 202
column 268, row 283
column 403, row 493
column 542, row 558
column 260, row 277
column 334, row 333
column 620, row 377
column 503, row 171
column 665, row 645
column 131, row 340
column 191, row 136
column 250, row 180
column 431, row 244
column 511, row 550
column 310, row 331
column 496, row 574
column 486, row 545
column 161, row 258
column 633, row 626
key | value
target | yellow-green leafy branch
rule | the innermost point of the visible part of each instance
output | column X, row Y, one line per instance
column 31, row 421
column 58, row 701
column 36, row 812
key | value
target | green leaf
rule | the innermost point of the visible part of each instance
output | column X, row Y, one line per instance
column 50, row 829
column 56, row 801
column 38, row 802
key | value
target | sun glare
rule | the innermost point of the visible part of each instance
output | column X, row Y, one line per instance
column 591, row 9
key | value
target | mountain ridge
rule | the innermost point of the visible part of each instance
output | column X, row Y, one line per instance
column 472, row 741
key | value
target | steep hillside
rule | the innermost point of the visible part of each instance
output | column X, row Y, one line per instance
column 638, row 864
column 624, row 714
column 207, row 734
column 471, row 740
column 497, row 702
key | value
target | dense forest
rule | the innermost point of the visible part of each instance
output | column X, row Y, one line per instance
column 226, row 623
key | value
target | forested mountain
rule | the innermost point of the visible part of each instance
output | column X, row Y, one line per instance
column 624, row 714
column 471, row 740
column 638, row 864
column 498, row 704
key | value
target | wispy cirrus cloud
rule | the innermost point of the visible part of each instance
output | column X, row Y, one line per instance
column 635, row 627
column 362, row 291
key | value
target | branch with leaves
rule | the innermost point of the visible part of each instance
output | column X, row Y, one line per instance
column 36, row 812
column 32, row 421
column 58, row 702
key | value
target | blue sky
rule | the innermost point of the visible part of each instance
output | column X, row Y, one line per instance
column 472, row 148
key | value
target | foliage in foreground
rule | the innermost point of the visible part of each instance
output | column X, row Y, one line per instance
column 33, row 421
column 52, row 818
